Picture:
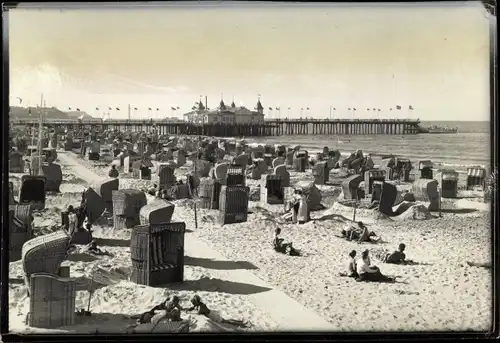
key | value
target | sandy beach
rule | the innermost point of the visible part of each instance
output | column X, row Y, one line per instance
column 442, row 292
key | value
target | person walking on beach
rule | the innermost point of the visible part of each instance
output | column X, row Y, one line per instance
column 113, row 172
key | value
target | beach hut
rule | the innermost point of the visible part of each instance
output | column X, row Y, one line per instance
column 476, row 176
column 12, row 200
column 126, row 165
column 141, row 169
column 350, row 186
column 449, row 184
column 425, row 167
column 32, row 191
column 373, row 175
column 312, row 193
column 320, row 173
column 53, row 176
column 235, row 176
column 300, row 160
column 426, row 190
column 20, row 229
column 156, row 212
column 157, row 253
column 166, row 175
column 281, row 171
column 127, row 204
column 16, row 162
column 271, row 189
column 233, row 204
column 52, row 301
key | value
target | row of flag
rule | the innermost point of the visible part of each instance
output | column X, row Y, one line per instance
column 118, row 109
column 349, row 109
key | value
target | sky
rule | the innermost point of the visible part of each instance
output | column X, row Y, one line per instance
column 434, row 57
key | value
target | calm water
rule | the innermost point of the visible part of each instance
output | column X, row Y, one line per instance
column 470, row 146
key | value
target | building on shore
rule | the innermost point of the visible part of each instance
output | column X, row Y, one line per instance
column 223, row 114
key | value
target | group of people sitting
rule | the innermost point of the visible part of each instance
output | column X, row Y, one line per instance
column 172, row 311
column 298, row 209
column 359, row 233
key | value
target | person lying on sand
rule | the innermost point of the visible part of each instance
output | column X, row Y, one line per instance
column 203, row 310
column 284, row 248
column 94, row 250
column 398, row 256
column 359, row 234
column 172, row 309
column 367, row 272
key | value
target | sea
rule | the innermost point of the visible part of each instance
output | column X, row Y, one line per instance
column 470, row 146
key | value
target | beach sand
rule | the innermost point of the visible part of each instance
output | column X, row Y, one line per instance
column 441, row 293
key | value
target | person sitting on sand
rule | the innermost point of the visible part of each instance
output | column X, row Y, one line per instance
column 398, row 256
column 351, row 266
column 211, row 314
column 359, row 233
column 367, row 272
column 113, row 172
column 152, row 190
column 172, row 309
column 281, row 247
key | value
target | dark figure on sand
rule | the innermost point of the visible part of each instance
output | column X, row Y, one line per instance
column 281, row 247
column 367, row 272
column 360, row 234
column 398, row 256
column 113, row 172
column 203, row 309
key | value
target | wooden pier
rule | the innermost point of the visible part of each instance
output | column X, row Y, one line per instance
column 273, row 127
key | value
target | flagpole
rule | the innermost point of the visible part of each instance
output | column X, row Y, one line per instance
column 40, row 125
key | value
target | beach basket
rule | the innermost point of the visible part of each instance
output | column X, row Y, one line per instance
column 388, row 195
column 94, row 156
column 52, row 301
column 320, row 173
column 166, row 175
column 280, row 149
column 373, row 175
column 425, row 167
column 95, row 148
column 235, row 176
column 44, row 254
column 53, row 176
column 156, row 212
column 312, row 193
column 68, row 144
column 299, row 163
column 128, row 203
column 268, row 159
column 21, row 229
column 216, row 189
column 12, row 200
column 233, row 204
column 205, row 191
column 126, row 164
column 241, row 161
column 278, row 161
column 271, row 190
column 181, row 157
column 376, row 190
column 259, row 168
column 281, row 171
column 449, row 184
column 476, row 176
column 426, row 190
column 32, row 191
column 123, row 222
column 220, row 171
column 350, row 186
column 105, row 190
column 16, row 162
column 289, row 157
column 202, row 168
column 157, row 253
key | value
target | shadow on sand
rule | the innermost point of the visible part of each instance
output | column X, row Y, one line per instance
column 458, row 210
column 218, row 264
column 111, row 242
column 81, row 257
column 16, row 281
column 84, row 283
column 218, row 285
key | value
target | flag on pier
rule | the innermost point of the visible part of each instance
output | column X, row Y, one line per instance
column 334, row 109
column 173, row 108
column 117, row 109
column 410, row 108
column 150, row 109
column 194, row 108
column 109, row 108
column 289, row 108
column 157, row 109
column 398, row 107
column 80, row 117
column 69, row 108
column 378, row 110
column 308, row 108
column 349, row 109
column 178, row 108
column 367, row 109
column 270, row 108
column 97, row 108
column 390, row 109
column 277, row 108
column 78, row 109
column 354, row 109
column 135, row 108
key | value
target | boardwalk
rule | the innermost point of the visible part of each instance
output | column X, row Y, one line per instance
column 273, row 127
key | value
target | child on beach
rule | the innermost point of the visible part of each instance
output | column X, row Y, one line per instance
column 398, row 256
column 367, row 272
column 351, row 266
column 113, row 172
column 284, row 248
column 211, row 314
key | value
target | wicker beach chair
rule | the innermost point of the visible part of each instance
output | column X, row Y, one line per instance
column 371, row 176
column 426, row 190
column 44, row 254
column 21, row 229
column 52, row 301
column 321, row 173
column 387, row 198
column 241, row 160
column 312, row 193
column 12, row 200
column 105, row 190
column 449, row 183
column 300, row 161
column 235, row 176
column 166, row 175
column 280, row 170
column 16, row 162
column 203, row 168
column 156, row 212
column 32, row 191
column 233, row 204
column 127, row 204
column 425, row 167
column 278, row 161
column 54, row 177
column 220, row 172
column 271, row 189
column 205, row 191
column 476, row 176
column 157, row 253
